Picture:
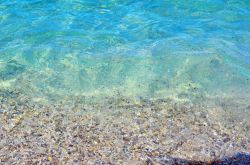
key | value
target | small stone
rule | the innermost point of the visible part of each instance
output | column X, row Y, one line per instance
column 227, row 139
column 49, row 158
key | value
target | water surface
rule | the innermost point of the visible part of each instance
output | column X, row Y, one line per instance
column 135, row 49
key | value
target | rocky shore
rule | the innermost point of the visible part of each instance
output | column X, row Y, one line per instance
column 120, row 131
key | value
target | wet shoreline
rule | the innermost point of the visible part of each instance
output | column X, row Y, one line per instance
column 119, row 131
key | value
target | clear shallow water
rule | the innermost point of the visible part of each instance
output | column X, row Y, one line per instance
column 149, row 49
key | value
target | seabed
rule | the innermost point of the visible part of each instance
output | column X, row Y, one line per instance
column 144, row 131
column 172, row 120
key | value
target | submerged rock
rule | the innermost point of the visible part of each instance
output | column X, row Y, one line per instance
column 10, row 70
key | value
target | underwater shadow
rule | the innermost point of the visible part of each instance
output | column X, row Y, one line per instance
column 237, row 159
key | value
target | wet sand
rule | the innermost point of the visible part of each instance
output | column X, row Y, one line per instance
column 120, row 131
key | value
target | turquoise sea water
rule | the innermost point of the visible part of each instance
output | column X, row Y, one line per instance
column 175, row 49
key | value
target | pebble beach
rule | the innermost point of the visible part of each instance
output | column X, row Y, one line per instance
column 142, row 132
